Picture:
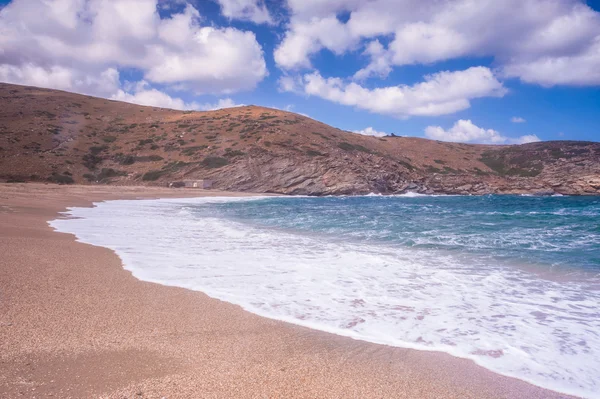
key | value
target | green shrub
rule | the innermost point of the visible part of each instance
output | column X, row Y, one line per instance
column 106, row 173
column 149, row 158
column 61, row 179
column 448, row 169
column 505, row 163
column 90, row 161
column 152, row 175
column 346, row 146
column 95, row 150
column 127, row 160
column 174, row 166
column 54, row 129
column 313, row 153
column 16, row 179
column 406, row 165
column 321, row 135
column 360, row 148
column 214, row 162
column 192, row 150
column 229, row 153
column 353, row 147
column 109, row 139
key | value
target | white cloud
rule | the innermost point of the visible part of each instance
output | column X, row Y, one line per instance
column 289, row 83
column 369, row 131
column 62, row 78
column 379, row 65
column 106, row 84
column 219, row 61
column 287, row 108
column 308, row 37
column 580, row 69
column 546, row 42
column 250, row 10
column 440, row 93
column 222, row 103
column 423, row 43
column 529, row 138
column 89, row 37
column 465, row 131
column 517, row 119
column 141, row 93
column 319, row 8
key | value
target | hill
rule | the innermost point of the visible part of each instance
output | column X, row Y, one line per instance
column 54, row 136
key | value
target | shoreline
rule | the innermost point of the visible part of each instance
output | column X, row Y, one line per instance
column 69, row 306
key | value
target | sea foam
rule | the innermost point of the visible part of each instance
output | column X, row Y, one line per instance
column 504, row 318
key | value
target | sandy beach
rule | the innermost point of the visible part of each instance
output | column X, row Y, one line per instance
column 74, row 323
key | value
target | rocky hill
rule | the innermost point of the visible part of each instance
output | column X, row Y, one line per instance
column 53, row 136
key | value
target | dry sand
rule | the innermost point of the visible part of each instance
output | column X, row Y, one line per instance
column 74, row 323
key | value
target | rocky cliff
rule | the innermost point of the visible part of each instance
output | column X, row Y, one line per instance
column 49, row 135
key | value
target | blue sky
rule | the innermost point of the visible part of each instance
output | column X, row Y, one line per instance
column 456, row 72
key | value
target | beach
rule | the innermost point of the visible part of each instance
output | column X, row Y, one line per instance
column 74, row 323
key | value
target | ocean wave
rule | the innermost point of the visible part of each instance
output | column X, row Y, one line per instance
column 505, row 318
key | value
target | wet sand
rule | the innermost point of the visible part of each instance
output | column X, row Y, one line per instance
column 74, row 323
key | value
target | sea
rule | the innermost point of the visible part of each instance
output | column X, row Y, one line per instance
column 511, row 282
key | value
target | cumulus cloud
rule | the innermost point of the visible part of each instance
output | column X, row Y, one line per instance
column 517, row 119
column 290, row 83
column 379, row 65
column 546, row 42
column 250, row 10
column 441, row 93
column 310, row 36
column 465, row 131
column 104, row 83
column 580, row 69
column 529, row 138
column 141, row 93
column 70, row 41
column 369, row 131
column 222, row 103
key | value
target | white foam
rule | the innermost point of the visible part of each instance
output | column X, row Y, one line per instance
column 507, row 320
column 411, row 194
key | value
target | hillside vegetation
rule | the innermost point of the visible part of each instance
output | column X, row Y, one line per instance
column 65, row 138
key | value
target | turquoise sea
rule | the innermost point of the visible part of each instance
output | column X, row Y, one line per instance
column 511, row 282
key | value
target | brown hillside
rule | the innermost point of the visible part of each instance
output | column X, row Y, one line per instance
column 49, row 135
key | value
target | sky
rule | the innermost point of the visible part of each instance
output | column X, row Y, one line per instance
column 478, row 71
